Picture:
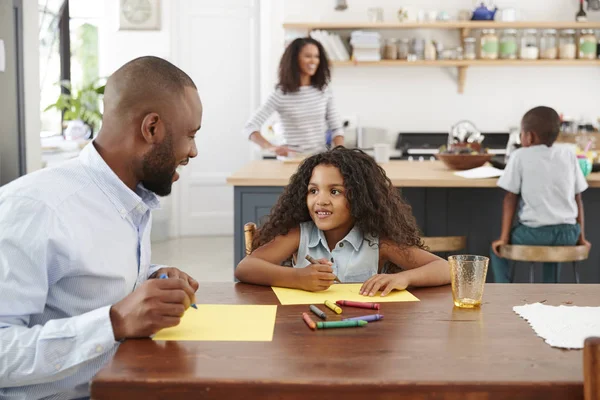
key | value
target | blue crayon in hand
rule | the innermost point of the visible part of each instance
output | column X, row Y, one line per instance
column 164, row 276
column 368, row 318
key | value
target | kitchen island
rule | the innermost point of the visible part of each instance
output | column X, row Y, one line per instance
column 443, row 204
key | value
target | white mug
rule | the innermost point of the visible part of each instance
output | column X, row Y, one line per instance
column 382, row 152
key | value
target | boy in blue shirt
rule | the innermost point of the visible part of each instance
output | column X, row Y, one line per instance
column 545, row 182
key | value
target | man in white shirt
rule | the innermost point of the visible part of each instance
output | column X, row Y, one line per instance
column 75, row 272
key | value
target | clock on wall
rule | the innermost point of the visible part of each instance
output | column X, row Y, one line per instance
column 139, row 15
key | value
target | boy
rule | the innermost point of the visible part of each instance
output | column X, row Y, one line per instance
column 549, row 182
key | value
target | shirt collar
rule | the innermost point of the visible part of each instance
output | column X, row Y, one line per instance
column 121, row 196
column 354, row 237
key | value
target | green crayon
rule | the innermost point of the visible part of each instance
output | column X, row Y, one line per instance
column 340, row 324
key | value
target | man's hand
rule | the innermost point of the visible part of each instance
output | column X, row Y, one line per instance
column 154, row 305
column 583, row 242
column 176, row 273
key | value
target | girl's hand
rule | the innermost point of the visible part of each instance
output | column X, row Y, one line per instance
column 384, row 282
column 316, row 277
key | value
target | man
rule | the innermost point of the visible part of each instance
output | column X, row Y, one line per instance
column 75, row 272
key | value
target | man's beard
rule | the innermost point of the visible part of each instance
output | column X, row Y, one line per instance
column 159, row 167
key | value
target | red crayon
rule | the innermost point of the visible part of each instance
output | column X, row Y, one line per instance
column 358, row 304
column 311, row 324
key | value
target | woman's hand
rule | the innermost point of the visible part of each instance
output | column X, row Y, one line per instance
column 384, row 282
column 283, row 151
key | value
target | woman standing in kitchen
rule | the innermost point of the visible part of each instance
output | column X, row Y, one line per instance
column 303, row 100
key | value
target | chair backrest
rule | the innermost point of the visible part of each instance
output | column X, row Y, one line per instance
column 544, row 253
column 249, row 231
column 443, row 244
column 591, row 368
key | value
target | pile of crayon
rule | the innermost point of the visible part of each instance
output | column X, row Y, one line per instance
column 344, row 323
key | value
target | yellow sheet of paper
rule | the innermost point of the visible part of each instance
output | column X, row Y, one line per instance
column 344, row 291
column 224, row 323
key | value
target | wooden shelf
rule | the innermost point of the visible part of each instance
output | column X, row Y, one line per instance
column 443, row 25
column 464, row 28
column 467, row 63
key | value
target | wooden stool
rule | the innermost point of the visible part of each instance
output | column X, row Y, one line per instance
column 444, row 244
column 549, row 254
column 591, row 368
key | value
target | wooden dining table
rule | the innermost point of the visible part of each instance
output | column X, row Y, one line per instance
column 420, row 350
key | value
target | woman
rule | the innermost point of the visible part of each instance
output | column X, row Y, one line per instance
column 303, row 100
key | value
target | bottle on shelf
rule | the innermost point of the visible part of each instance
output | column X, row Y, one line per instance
column 581, row 15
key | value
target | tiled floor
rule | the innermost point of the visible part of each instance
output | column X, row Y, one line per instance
column 206, row 259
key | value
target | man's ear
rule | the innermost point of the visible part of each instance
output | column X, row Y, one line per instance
column 151, row 131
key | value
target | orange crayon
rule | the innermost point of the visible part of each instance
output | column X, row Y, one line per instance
column 311, row 324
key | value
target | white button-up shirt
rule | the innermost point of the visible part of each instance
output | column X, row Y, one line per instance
column 74, row 240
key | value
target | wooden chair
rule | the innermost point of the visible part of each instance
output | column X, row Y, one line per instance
column 445, row 244
column 249, row 231
column 591, row 368
column 550, row 254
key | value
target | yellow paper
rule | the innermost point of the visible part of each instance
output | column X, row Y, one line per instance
column 220, row 322
column 344, row 291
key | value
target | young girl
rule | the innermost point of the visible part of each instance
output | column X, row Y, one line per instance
column 341, row 209
column 303, row 101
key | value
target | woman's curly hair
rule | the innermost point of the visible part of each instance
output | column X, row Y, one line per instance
column 375, row 204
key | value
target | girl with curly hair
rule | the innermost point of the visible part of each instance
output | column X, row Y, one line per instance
column 341, row 209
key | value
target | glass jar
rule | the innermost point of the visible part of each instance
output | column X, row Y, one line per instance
column 529, row 45
column 508, row 44
column 587, row 44
column 403, row 49
column 469, row 46
column 548, row 45
column 567, row 47
column 489, row 45
column 390, row 50
column 418, row 48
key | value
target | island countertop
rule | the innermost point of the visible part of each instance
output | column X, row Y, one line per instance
column 401, row 173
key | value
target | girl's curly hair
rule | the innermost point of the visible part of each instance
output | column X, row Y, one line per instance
column 375, row 204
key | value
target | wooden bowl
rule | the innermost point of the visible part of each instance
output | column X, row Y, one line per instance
column 464, row 161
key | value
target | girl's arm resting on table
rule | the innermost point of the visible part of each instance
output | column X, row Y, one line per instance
column 421, row 269
column 263, row 266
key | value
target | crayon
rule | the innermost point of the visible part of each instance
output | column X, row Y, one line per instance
column 317, row 311
column 358, row 304
column 309, row 321
column 165, row 276
column 313, row 261
column 340, row 324
column 368, row 318
column 333, row 307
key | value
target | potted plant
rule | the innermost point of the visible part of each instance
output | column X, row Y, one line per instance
column 80, row 109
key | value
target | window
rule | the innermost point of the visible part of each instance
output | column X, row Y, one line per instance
column 68, row 52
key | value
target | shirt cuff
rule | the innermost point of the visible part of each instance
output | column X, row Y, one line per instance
column 95, row 333
column 153, row 268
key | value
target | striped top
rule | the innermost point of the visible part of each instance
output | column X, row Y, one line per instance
column 74, row 240
column 306, row 115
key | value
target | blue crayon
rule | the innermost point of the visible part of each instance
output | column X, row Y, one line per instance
column 164, row 276
column 368, row 318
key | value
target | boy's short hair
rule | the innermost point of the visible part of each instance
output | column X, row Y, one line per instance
column 543, row 121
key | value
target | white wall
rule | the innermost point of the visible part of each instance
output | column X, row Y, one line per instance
column 426, row 99
column 116, row 48
column 31, row 73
